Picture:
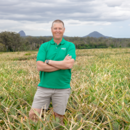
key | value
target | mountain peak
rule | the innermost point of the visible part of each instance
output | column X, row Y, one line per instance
column 95, row 34
column 22, row 33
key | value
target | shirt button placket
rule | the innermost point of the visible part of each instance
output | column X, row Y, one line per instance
column 56, row 49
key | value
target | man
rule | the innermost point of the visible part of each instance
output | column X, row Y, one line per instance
column 55, row 59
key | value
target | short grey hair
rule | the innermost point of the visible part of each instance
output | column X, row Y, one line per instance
column 57, row 21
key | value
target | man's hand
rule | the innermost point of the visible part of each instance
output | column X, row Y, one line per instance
column 67, row 63
column 68, row 57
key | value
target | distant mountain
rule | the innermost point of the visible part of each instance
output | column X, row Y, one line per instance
column 96, row 35
column 93, row 34
column 22, row 33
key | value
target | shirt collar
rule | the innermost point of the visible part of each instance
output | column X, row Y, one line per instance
column 62, row 42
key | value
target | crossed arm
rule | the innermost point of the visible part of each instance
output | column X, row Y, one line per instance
column 67, row 63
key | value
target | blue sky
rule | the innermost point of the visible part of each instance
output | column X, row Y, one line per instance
column 81, row 17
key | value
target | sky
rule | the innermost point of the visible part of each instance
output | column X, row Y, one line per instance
column 81, row 17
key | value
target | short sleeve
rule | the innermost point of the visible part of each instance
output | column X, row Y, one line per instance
column 41, row 55
column 71, row 51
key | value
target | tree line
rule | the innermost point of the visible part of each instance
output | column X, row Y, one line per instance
column 11, row 41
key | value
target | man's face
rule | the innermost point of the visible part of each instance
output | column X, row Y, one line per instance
column 57, row 31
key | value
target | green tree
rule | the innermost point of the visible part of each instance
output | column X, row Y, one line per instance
column 11, row 40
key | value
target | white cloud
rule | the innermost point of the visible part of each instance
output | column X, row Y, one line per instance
column 10, row 25
column 37, row 15
column 83, row 10
column 77, row 23
column 114, row 2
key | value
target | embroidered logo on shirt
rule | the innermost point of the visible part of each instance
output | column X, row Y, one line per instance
column 63, row 48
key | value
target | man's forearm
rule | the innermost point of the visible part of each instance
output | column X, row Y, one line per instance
column 65, row 64
column 41, row 66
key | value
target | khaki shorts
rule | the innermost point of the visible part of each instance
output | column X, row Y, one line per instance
column 59, row 98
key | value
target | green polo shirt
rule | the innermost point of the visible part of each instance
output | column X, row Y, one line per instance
column 59, row 79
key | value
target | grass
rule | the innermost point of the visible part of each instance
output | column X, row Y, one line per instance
column 100, row 98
